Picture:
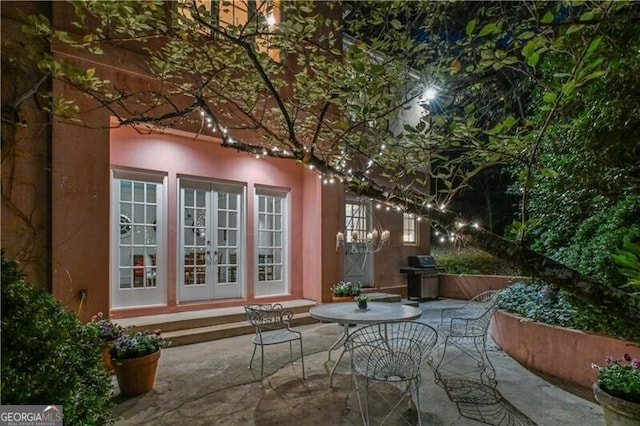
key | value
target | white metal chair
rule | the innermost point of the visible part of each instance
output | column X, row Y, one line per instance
column 465, row 371
column 463, row 343
column 389, row 353
column 469, row 320
column 272, row 324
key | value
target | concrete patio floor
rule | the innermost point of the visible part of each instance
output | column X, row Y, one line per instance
column 209, row 384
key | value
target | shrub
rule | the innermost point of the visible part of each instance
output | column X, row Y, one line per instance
column 48, row 355
column 541, row 302
column 469, row 260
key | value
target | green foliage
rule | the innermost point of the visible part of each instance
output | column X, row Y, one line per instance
column 588, row 244
column 590, row 199
column 620, row 377
column 541, row 302
column 469, row 260
column 48, row 355
column 627, row 260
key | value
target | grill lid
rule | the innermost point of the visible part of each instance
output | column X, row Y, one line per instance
column 422, row 261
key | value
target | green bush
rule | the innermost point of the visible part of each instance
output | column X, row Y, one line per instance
column 48, row 355
column 542, row 302
column 469, row 260
column 588, row 245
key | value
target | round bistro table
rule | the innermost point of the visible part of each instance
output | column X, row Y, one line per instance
column 346, row 313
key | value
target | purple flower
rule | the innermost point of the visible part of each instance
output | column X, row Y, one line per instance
column 608, row 360
column 627, row 357
column 635, row 363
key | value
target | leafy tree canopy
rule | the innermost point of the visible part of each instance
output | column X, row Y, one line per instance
column 518, row 84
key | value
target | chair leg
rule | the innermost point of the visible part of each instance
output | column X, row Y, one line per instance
column 252, row 355
column 416, row 384
column 302, row 360
column 261, row 365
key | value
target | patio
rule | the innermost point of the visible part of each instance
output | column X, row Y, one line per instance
column 209, row 383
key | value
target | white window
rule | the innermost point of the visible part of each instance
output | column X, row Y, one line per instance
column 138, row 233
column 409, row 229
column 236, row 14
column 271, row 227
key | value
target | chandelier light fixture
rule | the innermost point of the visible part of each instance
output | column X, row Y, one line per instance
column 363, row 232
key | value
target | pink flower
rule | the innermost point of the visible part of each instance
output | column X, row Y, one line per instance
column 608, row 360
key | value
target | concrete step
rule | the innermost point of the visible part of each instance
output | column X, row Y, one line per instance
column 184, row 328
column 203, row 318
column 222, row 331
column 382, row 297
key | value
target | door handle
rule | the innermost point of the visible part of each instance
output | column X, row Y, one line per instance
column 208, row 254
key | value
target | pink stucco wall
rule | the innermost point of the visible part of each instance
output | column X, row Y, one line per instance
column 311, row 237
column 179, row 156
column 563, row 353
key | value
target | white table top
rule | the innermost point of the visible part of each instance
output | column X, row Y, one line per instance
column 348, row 312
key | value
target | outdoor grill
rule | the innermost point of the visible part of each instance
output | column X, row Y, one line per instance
column 422, row 277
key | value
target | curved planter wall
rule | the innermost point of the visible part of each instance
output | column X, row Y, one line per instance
column 563, row 353
column 463, row 286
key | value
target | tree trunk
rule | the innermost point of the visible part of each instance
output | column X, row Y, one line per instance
column 586, row 288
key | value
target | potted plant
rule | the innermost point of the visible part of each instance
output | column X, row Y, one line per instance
column 345, row 291
column 107, row 332
column 135, row 360
column 618, row 390
column 362, row 301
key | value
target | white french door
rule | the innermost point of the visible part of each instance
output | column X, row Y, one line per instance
column 271, row 224
column 138, row 272
column 211, row 234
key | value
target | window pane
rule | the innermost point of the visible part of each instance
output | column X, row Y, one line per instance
column 151, row 194
column 222, row 200
column 126, row 191
column 138, row 192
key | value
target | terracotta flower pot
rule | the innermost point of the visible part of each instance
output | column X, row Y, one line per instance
column 342, row 298
column 136, row 375
column 106, row 358
column 617, row 412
